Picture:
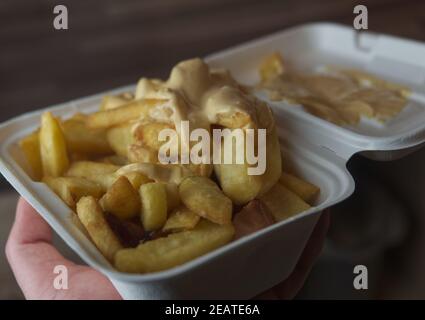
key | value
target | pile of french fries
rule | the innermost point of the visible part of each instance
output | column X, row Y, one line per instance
column 145, row 216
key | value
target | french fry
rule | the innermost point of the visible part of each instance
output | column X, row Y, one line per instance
column 236, row 183
column 121, row 199
column 305, row 190
column 175, row 249
column 204, row 197
column 273, row 161
column 115, row 160
column 137, row 109
column 101, row 173
column 148, row 133
column 142, row 154
column 272, row 66
column 234, row 120
column 88, row 169
column 283, row 203
column 203, row 169
column 136, row 179
column 115, row 101
column 173, row 196
column 120, row 138
column 54, row 156
column 81, row 139
column 253, row 217
column 154, row 205
column 61, row 189
column 93, row 219
column 181, row 219
column 30, row 146
column 71, row 189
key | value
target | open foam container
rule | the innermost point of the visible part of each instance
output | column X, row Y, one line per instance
column 317, row 149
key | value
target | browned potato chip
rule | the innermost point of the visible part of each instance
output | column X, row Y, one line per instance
column 54, row 156
column 204, row 197
column 175, row 249
column 121, row 199
column 93, row 219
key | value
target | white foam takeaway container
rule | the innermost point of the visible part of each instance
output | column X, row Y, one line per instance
column 318, row 150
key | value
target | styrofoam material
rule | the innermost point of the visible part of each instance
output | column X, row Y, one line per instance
column 229, row 272
column 310, row 47
column 249, row 265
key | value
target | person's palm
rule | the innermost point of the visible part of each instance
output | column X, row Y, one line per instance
column 33, row 259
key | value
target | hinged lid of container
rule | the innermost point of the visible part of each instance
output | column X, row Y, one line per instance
column 322, row 44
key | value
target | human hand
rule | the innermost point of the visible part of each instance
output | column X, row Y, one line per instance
column 33, row 257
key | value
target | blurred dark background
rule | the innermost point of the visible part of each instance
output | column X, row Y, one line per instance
column 113, row 43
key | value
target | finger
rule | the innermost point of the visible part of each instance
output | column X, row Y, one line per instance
column 290, row 287
column 30, row 253
column 33, row 260
column 29, row 227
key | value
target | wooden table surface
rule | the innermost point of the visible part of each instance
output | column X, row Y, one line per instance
column 112, row 43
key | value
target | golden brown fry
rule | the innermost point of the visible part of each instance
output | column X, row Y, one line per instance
column 307, row 191
column 137, row 109
column 253, row 217
column 92, row 217
column 273, row 161
column 236, row 183
column 120, row 138
column 142, row 154
column 115, row 160
column 154, row 205
column 173, row 196
column 99, row 172
column 54, row 156
column 272, row 66
column 204, row 197
column 83, row 140
column 283, row 203
column 87, row 169
column 175, row 249
column 148, row 133
column 121, row 199
column 71, row 189
column 115, row 101
column 30, row 146
column 136, row 179
column 181, row 219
